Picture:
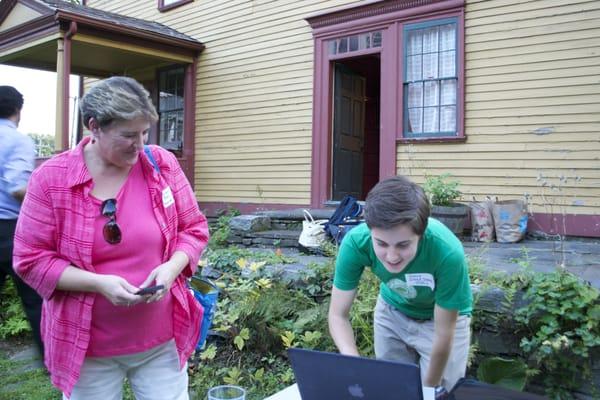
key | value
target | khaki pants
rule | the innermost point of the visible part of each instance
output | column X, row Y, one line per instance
column 153, row 375
column 400, row 338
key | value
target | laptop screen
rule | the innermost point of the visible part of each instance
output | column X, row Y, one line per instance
column 333, row 376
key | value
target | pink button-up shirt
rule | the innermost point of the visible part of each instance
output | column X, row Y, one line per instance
column 56, row 229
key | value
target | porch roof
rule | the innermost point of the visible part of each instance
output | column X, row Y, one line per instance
column 103, row 43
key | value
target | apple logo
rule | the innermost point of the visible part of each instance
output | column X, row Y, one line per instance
column 356, row 391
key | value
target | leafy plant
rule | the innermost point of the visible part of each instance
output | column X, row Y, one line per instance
column 12, row 318
column 44, row 144
column 219, row 231
column 441, row 190
column 504, row 372
column 562, row 323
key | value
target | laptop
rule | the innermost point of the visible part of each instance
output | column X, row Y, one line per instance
column 333, row 376
column 469, row 389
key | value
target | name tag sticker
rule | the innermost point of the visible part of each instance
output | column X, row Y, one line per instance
column 167, row 197
column 420, row 280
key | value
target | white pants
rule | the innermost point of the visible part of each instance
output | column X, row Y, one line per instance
column 153, row 374
column 400, row 338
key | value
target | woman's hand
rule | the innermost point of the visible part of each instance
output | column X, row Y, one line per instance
column 165, row 274
column 117, row 290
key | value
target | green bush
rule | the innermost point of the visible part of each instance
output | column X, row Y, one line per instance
column 561, row 325
column 13, row 322
column 219, row 231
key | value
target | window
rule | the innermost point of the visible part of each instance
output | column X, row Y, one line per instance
column 349, row 44
column 165, row 5
column 430, row 79
column 170, row 109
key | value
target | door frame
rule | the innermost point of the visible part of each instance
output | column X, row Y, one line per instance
column 387, row 17
column 322, row 138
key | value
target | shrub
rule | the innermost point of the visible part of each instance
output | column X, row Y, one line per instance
column 12, row 318
column 562, row 326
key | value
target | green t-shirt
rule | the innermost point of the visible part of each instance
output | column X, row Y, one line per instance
column 437, row 275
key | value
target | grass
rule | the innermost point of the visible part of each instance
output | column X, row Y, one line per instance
column 17, row 382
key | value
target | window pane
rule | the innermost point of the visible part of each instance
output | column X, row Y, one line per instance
column 448, row 119
column 365, row 41
column 353, row 43
column 448, row 92
column 415, row 95
column 431, row 119
column 171, row 130
column 376, row 39
column 415, row 117
column 430, row 40
column 343, row 45
column 414, row 42
column 432, row 93
column 170, row 108
column 448, row 63
column 448, row 37
column 332, row 47
column 414, row 68
column 430, row 66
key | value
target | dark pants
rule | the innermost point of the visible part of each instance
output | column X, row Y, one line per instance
column 32, row 302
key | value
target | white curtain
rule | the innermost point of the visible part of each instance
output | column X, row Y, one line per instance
column 431, row 99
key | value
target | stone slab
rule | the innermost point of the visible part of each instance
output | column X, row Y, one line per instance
column 250, row 223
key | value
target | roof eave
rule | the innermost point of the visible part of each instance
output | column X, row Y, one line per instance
column 65, row 16
column 31, row 28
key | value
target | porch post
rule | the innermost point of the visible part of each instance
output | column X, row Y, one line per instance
column 189, row 120
column 60, row 96
column 63, row 73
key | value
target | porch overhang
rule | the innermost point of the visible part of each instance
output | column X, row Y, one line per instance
column 72, row 39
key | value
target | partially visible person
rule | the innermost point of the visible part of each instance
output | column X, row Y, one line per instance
column 423, row 310
column 17, row 160
column 99, row 223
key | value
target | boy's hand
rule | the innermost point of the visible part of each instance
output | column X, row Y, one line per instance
column 441, row 393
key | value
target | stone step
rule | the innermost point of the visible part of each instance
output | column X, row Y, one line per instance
column 297, row 214
column 276, row 238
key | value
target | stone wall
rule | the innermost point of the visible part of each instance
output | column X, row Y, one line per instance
column 262, row 230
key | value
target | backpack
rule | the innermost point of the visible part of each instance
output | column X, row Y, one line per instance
column 345, row 217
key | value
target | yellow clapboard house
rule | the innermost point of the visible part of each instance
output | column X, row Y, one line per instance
column 281, row 104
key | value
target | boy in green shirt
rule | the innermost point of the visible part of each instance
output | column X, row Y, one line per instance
column 425, row 301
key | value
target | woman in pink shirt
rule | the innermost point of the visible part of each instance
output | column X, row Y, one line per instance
column 100, row 223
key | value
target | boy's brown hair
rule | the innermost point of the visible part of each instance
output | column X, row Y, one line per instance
column 397, row 201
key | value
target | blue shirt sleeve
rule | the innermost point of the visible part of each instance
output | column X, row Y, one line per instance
column 19, row 164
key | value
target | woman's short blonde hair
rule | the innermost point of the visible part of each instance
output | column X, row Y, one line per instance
column 118, row 98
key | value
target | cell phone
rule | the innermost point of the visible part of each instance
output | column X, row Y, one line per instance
column 150, row 290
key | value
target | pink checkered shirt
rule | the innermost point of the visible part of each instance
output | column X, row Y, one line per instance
column 55, row 230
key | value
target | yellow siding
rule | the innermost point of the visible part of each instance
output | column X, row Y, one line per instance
column 532, row 101
column 254, row 94
column 532, row 107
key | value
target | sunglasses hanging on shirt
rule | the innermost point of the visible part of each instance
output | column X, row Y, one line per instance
column 111, row 230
